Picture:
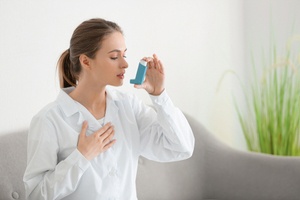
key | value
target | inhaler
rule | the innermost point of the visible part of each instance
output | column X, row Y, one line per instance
column 140, row 73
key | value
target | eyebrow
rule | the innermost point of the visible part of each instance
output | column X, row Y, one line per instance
column 117, row 50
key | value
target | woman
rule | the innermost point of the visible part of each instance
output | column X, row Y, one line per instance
column 86, row 144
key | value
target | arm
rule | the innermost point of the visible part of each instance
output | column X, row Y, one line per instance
column 165, row 135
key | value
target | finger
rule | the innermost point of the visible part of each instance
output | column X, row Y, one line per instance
column 161, row 67
column 108, row 138
column 83, row 128
column 151, row 64
column 147, row 59
column 155, row 61
column 108, row 124
column 109, row 145
column 103, row 129
column 109, row 132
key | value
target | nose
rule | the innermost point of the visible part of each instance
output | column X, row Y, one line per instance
column 124, row 64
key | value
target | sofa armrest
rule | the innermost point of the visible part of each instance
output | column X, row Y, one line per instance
column 12, row 165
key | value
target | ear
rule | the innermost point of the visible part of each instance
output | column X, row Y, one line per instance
column 85, row 61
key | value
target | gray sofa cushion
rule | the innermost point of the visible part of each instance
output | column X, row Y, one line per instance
column 219, row 172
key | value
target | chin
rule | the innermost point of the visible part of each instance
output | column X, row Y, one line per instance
column 116, row 84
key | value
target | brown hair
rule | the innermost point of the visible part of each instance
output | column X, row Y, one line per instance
column 86, row 39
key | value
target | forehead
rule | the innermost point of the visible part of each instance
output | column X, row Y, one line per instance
column 113, row 41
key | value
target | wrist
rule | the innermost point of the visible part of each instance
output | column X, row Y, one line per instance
column 157, row 93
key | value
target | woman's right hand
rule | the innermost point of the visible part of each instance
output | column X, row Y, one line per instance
column 96, row 143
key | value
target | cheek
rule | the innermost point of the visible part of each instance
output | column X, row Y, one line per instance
column 105, row 68
column 104, row 72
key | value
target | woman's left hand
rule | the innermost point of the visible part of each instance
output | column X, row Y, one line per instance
column 155, row 77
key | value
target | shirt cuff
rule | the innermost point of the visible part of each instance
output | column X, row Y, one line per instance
column 161, row 99
column 78, row 159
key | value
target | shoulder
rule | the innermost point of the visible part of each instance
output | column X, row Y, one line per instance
column 42, row 125
column 46, row 113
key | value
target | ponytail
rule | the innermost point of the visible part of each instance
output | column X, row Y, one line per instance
column 66, row 75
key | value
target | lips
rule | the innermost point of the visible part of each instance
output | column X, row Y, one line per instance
column 121, row 76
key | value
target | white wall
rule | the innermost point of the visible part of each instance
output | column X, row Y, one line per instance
column 270, row 22
column 197, row 40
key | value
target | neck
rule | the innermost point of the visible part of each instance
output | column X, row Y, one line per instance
column 92, row 98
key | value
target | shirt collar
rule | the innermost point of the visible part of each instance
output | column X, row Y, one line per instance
column 67, row 104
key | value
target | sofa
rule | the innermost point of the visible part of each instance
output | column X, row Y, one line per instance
column 214, row 172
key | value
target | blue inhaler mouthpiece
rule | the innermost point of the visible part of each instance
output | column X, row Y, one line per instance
column 140, row 74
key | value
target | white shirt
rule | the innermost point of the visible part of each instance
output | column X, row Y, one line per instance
column 57, row 170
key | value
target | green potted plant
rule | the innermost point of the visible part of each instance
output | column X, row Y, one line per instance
column 271, row 120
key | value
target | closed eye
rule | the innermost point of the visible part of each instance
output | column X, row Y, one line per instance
column 115, row 58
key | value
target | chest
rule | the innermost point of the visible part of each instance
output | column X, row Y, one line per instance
column 126, row 135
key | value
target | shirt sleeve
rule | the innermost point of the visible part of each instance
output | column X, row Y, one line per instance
column 44, row 177
column 165, row 133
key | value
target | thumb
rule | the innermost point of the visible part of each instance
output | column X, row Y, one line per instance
column 139, row 86
column 83, row 129
column 145, row 86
